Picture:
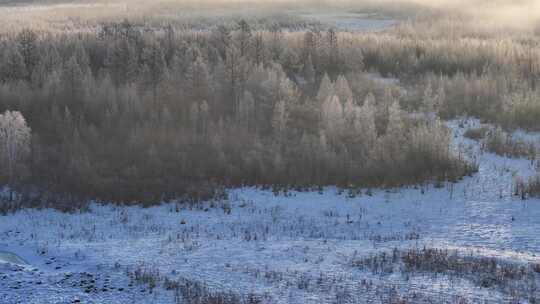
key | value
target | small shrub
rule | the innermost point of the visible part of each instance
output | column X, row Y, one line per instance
column 147, row 276
column 500, row 143
column 532, row 188
column 485, row 272
column 476, row 133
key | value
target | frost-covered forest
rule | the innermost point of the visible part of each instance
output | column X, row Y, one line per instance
column 369, row 151
column 131, row 114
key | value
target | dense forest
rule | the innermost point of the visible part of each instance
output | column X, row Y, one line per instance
column 128, row 112
column 270, row 151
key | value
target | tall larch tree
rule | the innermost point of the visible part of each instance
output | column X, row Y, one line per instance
column 243, row 38
column 72, row 78
column 198, row 80
column 365, row 124
column 28, row 47
column 343, row 90
column 259, row 49
column 394, row 138
column 333, row 118
column 13, row 67
column 221, row 39
column 233, row 62
column 154, row 67
column 326, row 89
column 14, row 145
column 309, row 72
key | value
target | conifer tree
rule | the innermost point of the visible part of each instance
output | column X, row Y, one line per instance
column 394, row 138
column 28, row 47
column 154, row 67
column 233, row 76
column 365, row 121
column 72, row 78
column 333, row 118
column 221, row 39
column 259, row 49
column 279, row 119
column 428, row 100
column 309, row 71
column 326, row 89
column 13, row 66
column 246, row 110
column 243, row 38
column 342, row 89
column 198, row 80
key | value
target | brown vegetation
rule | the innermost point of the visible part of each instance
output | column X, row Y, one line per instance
column 513, row 279
column 476, row 133
column 126, row 114
column 532, row 188
column 501, row 143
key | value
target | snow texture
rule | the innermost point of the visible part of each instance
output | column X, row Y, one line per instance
column 293, row 248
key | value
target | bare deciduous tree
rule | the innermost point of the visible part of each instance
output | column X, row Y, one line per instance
column 14, row 144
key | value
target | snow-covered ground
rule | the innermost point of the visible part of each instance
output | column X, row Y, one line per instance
column 293, row 248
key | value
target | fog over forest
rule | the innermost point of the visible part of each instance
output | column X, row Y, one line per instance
column 269, row 151
column 523, row 14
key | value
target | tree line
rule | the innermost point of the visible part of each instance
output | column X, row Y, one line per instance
column 126, row 114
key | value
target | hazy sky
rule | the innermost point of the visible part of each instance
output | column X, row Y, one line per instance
column 506, row 11
column 521, row 13
column 488, row 13
column 511, row 12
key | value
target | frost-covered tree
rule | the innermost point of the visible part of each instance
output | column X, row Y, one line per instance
column 73, row 78
column 198, row 81
column 233, row 75
column 122, row 61
column 353, row 57
column 429, row 100
column 243, row 38
column 14, row 145
column 441, row 97
column 394, row 138
column 49, row 63
column 194, row 112
column 365, row 122
column 259, row 49
column 204, row 116
column 287, row 89
column 28, row 46
column 349, row 112
column 279, row 119
column 309, row 71
column 276, row 43
column 246, row 111
column 326, row 89
column 383, row 107
column 198, row 115
column 311, row 45
column 81, row 55
column 395, row 126
column 332, row 52
column 13, row 66
column 428, row 147
column 286, row 97
column 154, row 67
column 342, row 89
column 221, row 38
column 333, row 118
column 192, row 100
